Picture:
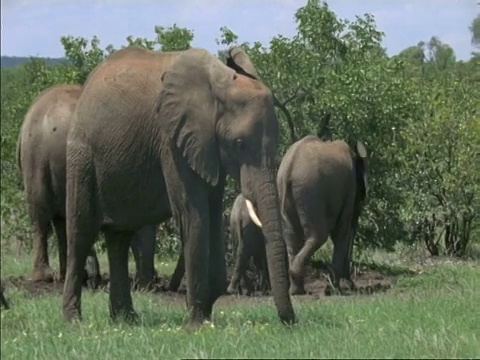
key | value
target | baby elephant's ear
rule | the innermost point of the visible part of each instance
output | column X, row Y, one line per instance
column 239, row 61
column 361, row 150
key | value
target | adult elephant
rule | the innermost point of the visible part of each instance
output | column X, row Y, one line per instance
column 322, row 186
column 41, row 152
column 150, row 124
column 41, row 156
column 250, row 242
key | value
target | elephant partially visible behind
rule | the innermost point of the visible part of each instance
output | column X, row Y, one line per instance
column 250, row 243
column 322, row 186
column 41, row 156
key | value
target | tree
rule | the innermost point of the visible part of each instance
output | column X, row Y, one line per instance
column 475, row 30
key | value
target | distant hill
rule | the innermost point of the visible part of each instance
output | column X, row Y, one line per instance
column 12, row 61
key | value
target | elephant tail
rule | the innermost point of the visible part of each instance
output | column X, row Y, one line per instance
column 19, row 159
column 284, row 188
column 19, row 152
column 348, row 207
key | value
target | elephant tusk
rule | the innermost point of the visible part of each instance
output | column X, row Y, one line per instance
column 252, row 213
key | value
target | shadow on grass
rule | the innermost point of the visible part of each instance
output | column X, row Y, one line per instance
column 384, row 269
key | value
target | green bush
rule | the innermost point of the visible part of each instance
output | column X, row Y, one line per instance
column 416, row 112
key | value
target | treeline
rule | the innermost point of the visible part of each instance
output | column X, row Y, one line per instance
column 13, row 61
column 417, row 112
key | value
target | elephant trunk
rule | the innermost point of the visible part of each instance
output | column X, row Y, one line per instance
column 268, row 206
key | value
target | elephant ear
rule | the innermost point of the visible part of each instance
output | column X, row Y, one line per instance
column 193, row 88
column 239, row 61
column 361, row 168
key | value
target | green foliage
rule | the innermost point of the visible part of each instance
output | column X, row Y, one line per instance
column 334, row 79
column 417, row 114
column 19, row 87
column 475, row 30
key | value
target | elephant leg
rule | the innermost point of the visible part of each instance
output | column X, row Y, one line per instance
column 249, row 284
column 178, row 273
column 81, row 236
column 240, row 266
column 136, row 251
column 143, row 248
column 41, row 267
column 83, row 227
column 342, row 238
column 294, row 238
column 218, row 268
column 92, row 277
column 61, row 231
column 196, row 254
column 189, row 198
column 265, row 278
column 314, row 240
column 121, row 305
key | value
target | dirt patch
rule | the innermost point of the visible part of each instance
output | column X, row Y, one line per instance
column 367, row 281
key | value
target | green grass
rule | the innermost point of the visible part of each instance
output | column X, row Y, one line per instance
column 435, row 314
column 21, row 264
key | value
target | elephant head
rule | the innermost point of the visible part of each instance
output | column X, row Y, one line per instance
column 222, row 120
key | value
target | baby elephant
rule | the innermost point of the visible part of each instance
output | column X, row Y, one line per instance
column 322, row 186
column 250, row 242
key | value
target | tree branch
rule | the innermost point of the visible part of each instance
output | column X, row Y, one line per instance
column 283, row 108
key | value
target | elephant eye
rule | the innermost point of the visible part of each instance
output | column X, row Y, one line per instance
column 239, row 143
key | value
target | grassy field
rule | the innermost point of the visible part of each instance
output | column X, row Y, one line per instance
column 434, row 314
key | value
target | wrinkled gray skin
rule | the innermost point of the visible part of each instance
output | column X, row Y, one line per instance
column 41, row 160
column 322, row 186
column 250, row 244
column 150, row 124
column 41, row 152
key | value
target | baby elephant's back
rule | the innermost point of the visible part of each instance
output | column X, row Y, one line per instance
column 322, row 174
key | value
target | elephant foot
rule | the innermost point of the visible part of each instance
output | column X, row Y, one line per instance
column 128, row 316
column 145, row 283
column 198, row 317
column 194, row 325
column 143, row 287
column 43, row 274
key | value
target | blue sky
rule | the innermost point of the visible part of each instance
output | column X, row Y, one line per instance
column 34, row 27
